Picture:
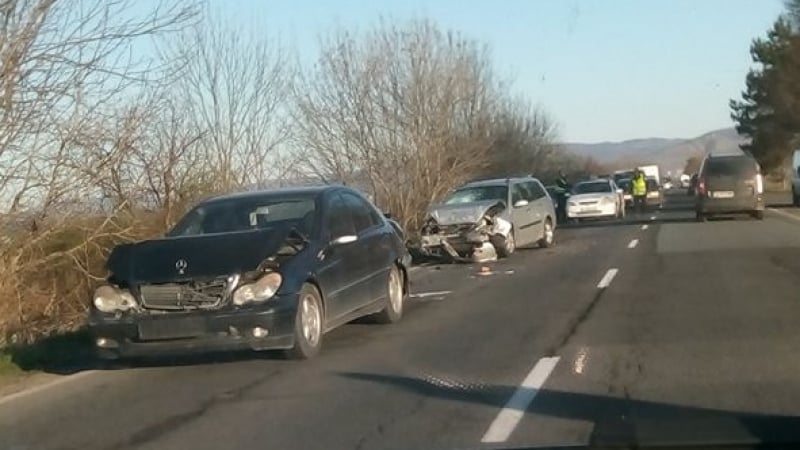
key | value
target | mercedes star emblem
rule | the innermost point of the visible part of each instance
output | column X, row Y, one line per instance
column 181, row 266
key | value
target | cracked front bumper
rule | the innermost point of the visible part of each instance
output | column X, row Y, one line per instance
column 139, row 335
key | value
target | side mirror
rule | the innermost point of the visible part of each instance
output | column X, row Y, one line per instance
column 388, row 215
column 520, row 203
column 341, row 240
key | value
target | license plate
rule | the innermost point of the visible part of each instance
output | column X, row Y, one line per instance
column 172, row 329
column 723, row 194
column 652, row 195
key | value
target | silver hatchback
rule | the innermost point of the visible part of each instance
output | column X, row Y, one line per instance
column 489, row 218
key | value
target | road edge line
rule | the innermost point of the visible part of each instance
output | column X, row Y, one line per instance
column 45, row 386
column 784, row 214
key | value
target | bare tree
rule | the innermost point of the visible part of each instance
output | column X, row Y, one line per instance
column 63, row 68
column 402, row 112
column 524, row 141
column 233, row 88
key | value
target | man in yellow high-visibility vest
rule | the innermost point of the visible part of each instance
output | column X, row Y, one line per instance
column 639, row 190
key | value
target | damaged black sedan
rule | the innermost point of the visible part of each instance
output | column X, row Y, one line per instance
column 259, row 270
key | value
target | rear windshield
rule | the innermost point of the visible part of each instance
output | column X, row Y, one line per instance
column 734, row 165
column 623, row 175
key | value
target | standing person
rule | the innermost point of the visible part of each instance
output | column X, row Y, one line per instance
column 562, row 181
column 563, row 184
column 639, row 188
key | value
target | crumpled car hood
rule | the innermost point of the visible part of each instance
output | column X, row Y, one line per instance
column 462, row 212
column 156, row 261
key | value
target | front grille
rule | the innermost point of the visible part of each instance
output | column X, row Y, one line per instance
column 589, row 202
column 456, row 229
column 176, row 296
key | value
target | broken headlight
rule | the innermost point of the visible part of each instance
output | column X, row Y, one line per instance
column 430, row 226
column 110, row 299
column 258, row 291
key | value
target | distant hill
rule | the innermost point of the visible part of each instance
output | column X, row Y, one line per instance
column 669, row 154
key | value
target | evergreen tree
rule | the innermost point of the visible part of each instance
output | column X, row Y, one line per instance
column 769, row 111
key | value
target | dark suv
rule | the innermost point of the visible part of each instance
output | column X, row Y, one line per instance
column 729, row 184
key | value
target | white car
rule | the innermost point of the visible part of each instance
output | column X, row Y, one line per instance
column 594, row 199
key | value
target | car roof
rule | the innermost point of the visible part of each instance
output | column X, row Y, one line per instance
column 307, row 191
column 497, row 181
column 731, row 156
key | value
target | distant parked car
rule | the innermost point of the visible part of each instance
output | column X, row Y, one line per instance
column 655, row 195
column 258, row 270
column 692, row 185
column 595, row 199
column 685, row 181
column 729, row 184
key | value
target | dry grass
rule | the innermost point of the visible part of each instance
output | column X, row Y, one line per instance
column 49, row 273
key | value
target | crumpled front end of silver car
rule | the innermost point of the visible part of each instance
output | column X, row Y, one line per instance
column 466, row 232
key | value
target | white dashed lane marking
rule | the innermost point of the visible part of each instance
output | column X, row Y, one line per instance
column 633, row 243
column 509, row 417
column 645, row 226
column 607, row 278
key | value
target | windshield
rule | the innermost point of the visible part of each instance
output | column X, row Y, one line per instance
column 234, row 215
column 592, row 187
column 477, row 194
column 622, row 176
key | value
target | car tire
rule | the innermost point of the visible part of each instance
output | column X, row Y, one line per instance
column 700, row 217
column 505, row 245
column 758, row 215
column 395, row 298
column 549, row 235
column 795, row 198
column 308, row 324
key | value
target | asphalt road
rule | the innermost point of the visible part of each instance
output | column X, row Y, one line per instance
column 649, row 331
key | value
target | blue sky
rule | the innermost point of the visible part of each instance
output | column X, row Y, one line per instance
column 605, row 70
